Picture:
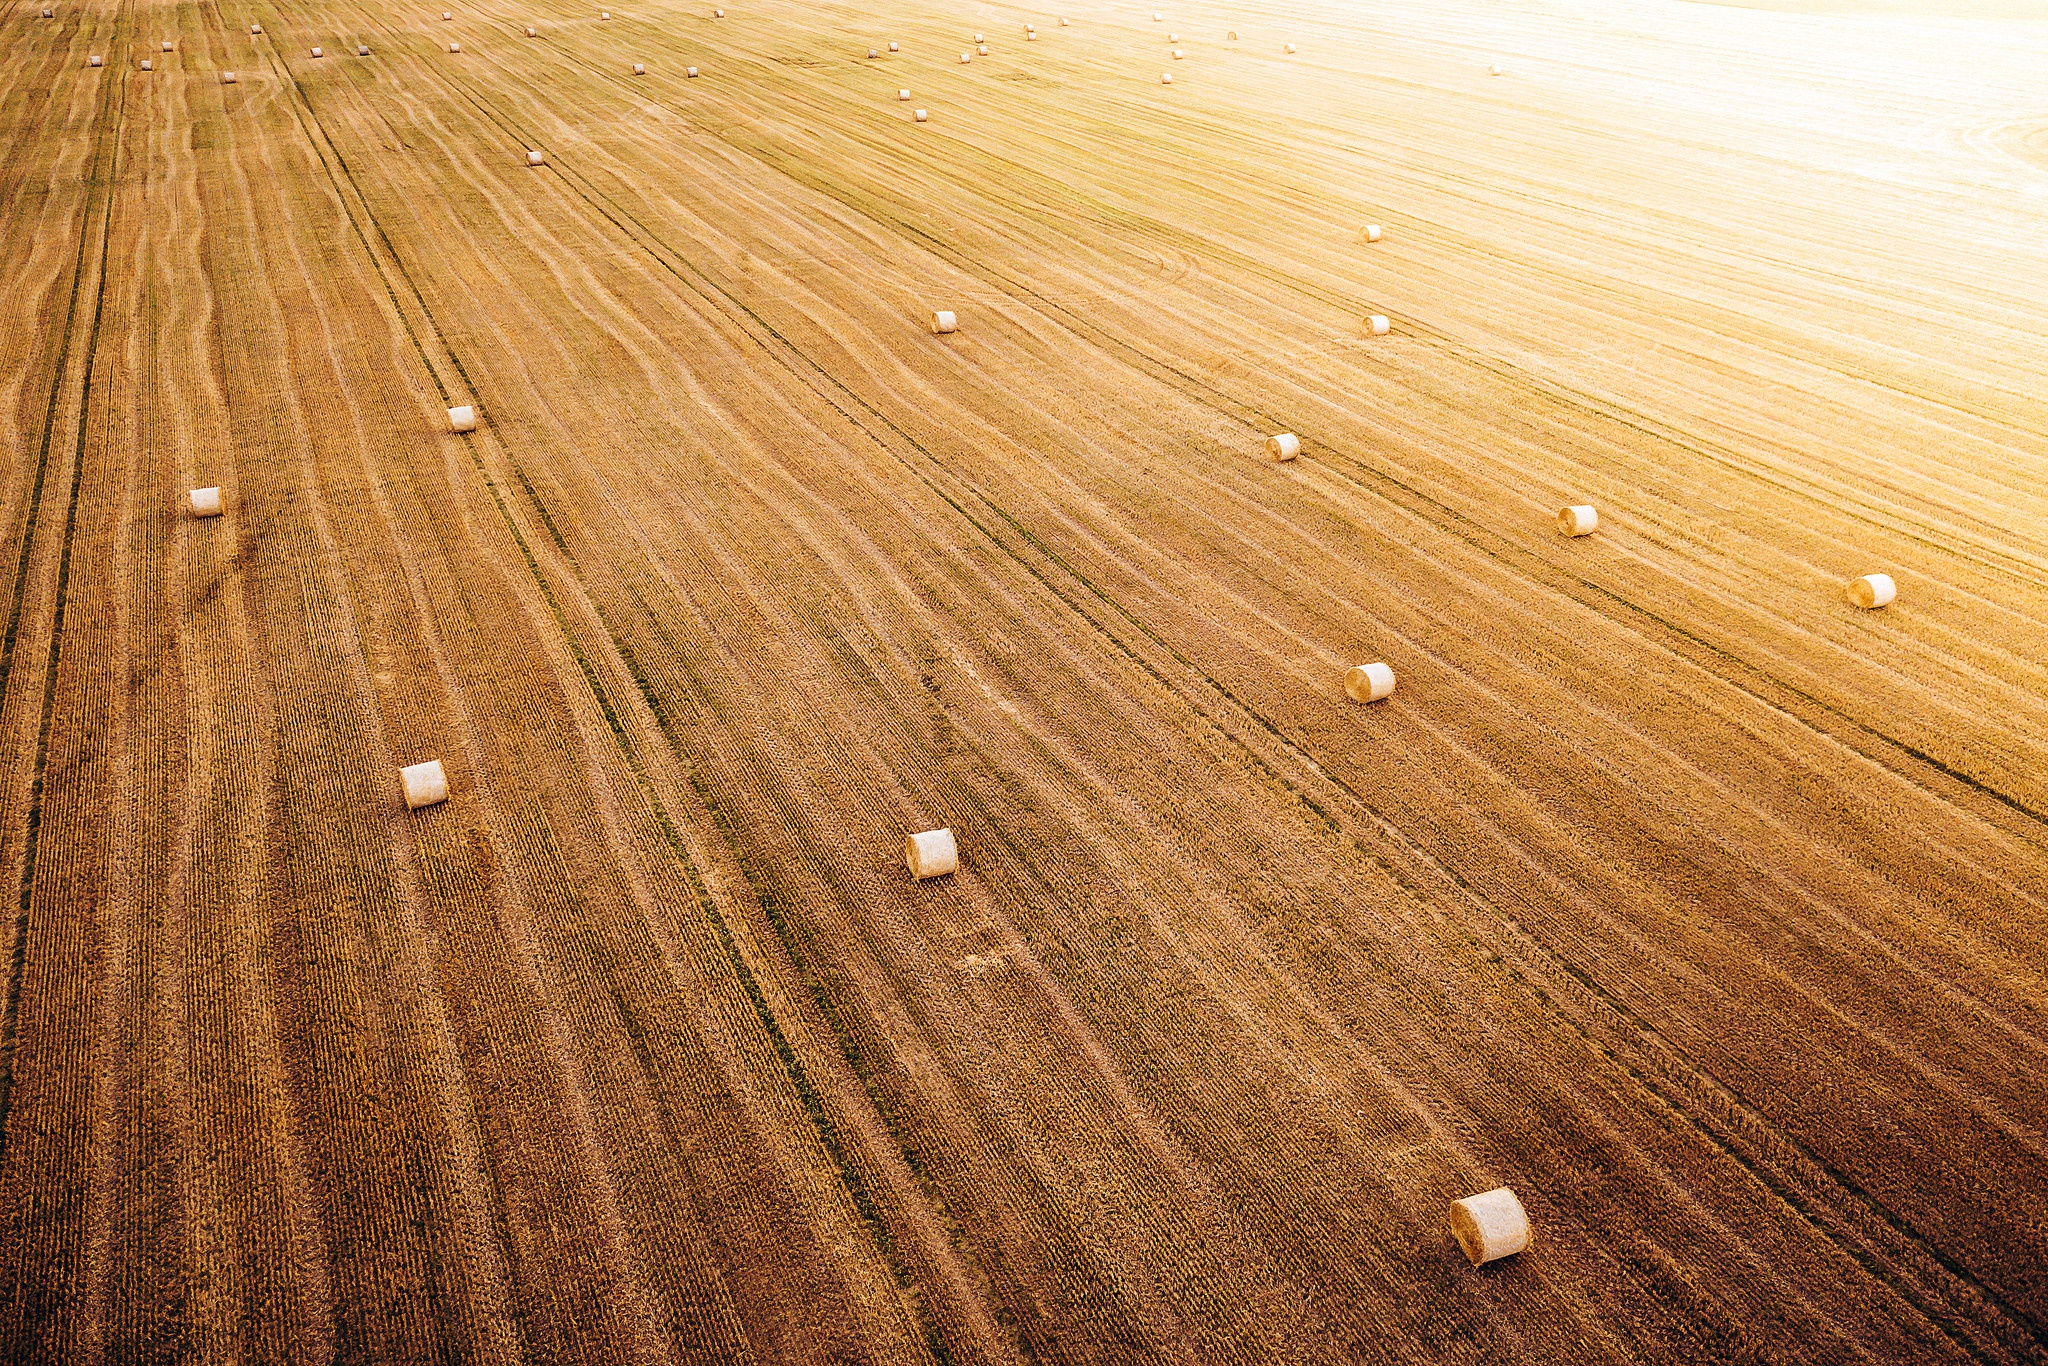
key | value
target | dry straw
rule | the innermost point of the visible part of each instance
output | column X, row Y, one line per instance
column 942, row 319
column 1578, row 520
column 462, row 419
column 1490, row 1225
column 424, row 784
column 931, row 853
column 1872, row 590
column 1283, row 446
column 206, row 502
column 1372, row 682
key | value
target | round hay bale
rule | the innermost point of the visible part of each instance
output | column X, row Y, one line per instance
column 1283, row 446
column 1290, row 47
column 979, row 39
column 93, row 60
column 536, row 157
column 920, row 116
column 872, row 54
column 1493, row 71
column 1372, row 682
column 455, row 47
column 1490, row 1225
column 255, row 28
column 206, row 502
column 1378, row 324
column 1372, row 232
column 966, row 57
column 639, row 69
column 318, row 53
column 167, row 42
column 931, row 853
column 530, row 33
column 1230, row 37
column 982, row 50
column 1872, row 590
column 462, row 419
column 1579, row 520
column 903, row 94
column 690, row 71
column 146, row 66
column 1176, row 54
column 1166, row 78
column 445, row 15
column 892, row 47
column 425, row 784
column 362, row 52
column 227, row 78
column 943, row 320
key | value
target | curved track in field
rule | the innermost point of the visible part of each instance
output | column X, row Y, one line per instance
column 1706, row 912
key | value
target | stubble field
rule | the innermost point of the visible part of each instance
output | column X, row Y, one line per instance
column 1702, row 909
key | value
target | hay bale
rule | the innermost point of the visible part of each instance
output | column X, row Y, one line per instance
column 689, row 71
column 1157, row 17
column 718, row 14
column 1173, row 37
column 255, row 28
column 362, row 52
column 462, row 419
column 1490, row 1225
column 455, row 47
column 1063, row 23
column 530, row 33
column 639, row 69
column 966, row 57
column 1283, row 446
column 1372, row 232
column 1176, row 54
column 446, row 15
column 979, row 39
column 318, row 53
column 425, row 784
column 983, row 49
column 1378, row 324
column 1493, row 71
column 167, row 42
column 1030, row 37
column 942, row 319
column 227, row 78
column 1872, row 590
column 920, row 116
column 604, row 14
column 146, row 66
column 206, row 502
column 872, row 54
column 1581, row 519
column 893, row 47
column 536, row 157
column 903, row 94
column 94, row 60
column 1166, row 78
column 1290, row 47
column 1230, row 37
column 1372, row 682
column 931, row 853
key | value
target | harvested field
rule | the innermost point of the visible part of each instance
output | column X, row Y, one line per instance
column 1703, row 910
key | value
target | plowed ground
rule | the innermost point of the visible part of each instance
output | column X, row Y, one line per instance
column 1700, row 908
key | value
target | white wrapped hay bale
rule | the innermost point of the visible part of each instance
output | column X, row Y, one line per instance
column 146, row 66
column 718, row 14
column 966, row 57
column 1283, row 446
column 318, row 53
column 462, row 419
column 982, row 50
column 455, row 47
column 206, row 502
column 639, row 69
column 1230, row 37
column 93, row 60
column 1290, row 47
column 1031, row 37
column 1378, row 324
column 255, row 28
column 873, row 55
column 1063, row 23
column 979, row 39
column 920, row 116
column 49, row 14
column 362, row 51
column 1872, row 590
column 931, row 853
column 530, row 33
column 1372, row 682
column 893, row 47
column 227, row 78
column 903, row 94
column 1493, row 71
column 535, row 158
column 1157, row 17
column 1173, row 37
column 604, row 14
column 1490, row 1225
column 1166, row 78
column 1372, row 232
column 689, row 71
column 167, row 42
column 942, row 319
column 1578, row 520
column 425, row 784
column 446, row 15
